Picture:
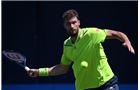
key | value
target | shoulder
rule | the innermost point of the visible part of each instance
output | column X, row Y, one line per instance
column 67, row 42
column 90, row 30
column 95, row 30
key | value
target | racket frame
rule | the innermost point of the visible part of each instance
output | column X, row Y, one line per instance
column 22, row 64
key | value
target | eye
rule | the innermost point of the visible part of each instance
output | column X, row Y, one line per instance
column 73, row 22
column 67, row 23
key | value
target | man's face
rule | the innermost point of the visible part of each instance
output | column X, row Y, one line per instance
column 72, row 26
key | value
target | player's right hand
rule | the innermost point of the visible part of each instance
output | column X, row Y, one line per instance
column 33, row 72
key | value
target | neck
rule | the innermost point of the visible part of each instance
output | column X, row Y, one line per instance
column 73, row 38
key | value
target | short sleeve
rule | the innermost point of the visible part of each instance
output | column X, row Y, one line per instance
column 98, row 35
column 65, row 60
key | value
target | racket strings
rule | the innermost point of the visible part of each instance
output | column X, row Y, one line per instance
column 18, row 58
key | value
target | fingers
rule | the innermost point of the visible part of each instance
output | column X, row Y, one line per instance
column 124, row 44
column 30, row 73
column 130, row 48
column 33, row 72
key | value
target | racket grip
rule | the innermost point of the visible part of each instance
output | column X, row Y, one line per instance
column 26, row 68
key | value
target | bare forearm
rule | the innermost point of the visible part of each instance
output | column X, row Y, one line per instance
column 56, row 70
column 117, row 35
column 51, row 71
column 122, row 37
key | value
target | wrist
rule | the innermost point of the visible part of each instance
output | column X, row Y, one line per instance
column 127, row 42
column 43, row 72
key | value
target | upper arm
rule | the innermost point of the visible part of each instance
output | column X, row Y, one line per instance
column 64, row 67
column 58, row 69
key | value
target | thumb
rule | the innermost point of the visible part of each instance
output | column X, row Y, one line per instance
column 28, row 71
column 124, row 44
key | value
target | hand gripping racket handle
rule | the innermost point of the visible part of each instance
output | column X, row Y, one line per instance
column 27, row 69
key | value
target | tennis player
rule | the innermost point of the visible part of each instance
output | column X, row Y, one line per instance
column 84, row 44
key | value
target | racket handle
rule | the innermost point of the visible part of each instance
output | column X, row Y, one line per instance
column 26, row 68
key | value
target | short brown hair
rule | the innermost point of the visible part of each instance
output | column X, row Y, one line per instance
column 69, row 14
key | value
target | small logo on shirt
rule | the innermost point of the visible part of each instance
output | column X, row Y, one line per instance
column 97, row 29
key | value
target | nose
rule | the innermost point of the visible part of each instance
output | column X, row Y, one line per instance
column 72, row 25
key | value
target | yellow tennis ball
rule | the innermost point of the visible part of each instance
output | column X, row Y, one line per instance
column 84, row 64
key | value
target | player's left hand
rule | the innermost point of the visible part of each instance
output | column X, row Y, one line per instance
column 129, row 46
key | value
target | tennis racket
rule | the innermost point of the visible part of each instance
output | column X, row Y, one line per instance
column 16, row 57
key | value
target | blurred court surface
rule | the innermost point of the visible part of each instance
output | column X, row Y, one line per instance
column 57, row 87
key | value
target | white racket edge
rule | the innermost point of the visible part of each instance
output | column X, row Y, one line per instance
column 26, row 68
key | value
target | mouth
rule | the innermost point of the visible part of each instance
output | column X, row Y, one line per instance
column 72, row 30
